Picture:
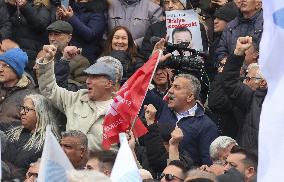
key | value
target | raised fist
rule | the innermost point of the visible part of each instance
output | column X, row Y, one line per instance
column 243, row 44
column 150, row 114
column 49, row 52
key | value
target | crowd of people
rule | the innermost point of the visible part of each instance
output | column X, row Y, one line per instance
column 61, row 66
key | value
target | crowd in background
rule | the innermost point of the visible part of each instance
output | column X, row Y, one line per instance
column 61, row 66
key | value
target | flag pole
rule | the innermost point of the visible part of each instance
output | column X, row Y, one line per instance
column 136, row 117
column 133, row 123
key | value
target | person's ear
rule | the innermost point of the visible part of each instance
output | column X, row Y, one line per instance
column 255, row 55
column 258, row 5
column 189, row 98
column 82, row 151
column 107, row 172
column 263, row 84
column 69, row 37
column 109, row 84
column 250, row 172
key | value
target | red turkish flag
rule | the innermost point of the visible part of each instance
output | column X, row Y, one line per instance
column 127, row 103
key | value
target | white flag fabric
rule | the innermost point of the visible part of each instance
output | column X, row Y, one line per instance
column 54, row 162
column 271, row 136
column 125, row 168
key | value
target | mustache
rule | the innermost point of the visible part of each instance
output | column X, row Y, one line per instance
column 171, row 96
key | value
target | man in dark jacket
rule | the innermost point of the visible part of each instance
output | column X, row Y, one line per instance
column 5, row 24
column 60, row 34
column 158, row 30
column 14, row 86
column 183, row 111
column 249, row 22
column 248, row 96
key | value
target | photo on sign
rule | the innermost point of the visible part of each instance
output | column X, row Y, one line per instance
column 183, row 27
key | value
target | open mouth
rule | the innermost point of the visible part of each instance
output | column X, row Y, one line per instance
column 171, row 97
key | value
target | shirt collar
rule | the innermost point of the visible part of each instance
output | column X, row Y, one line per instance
column 189, row 112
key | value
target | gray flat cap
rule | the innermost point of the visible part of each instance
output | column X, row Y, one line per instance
column 61, row 27
column 101, row 68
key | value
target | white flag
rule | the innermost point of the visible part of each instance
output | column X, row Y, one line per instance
column 54, row 162
column 125, row 168
column 271, row 137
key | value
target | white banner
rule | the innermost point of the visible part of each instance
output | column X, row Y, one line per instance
column 183, row 26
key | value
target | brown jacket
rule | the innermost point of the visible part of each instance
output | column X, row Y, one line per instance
column 77, row 65
column 10, row 101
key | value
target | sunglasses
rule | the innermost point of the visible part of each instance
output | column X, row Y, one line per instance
column 169, row 177
column 249, row 78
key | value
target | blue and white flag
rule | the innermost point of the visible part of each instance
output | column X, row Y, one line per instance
column 125, row 168
column 271, row 136
column 54, row 162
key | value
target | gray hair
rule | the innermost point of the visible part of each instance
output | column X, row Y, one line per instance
column 195, row 85
column 46, row 114
column 258, row 73
column 220, row 143
column 114, row 63
column 86, row 176
column 197, row 173
column 76, row 134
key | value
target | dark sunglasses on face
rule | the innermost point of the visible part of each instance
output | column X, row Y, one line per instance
column 169, row 177
column 248, row 78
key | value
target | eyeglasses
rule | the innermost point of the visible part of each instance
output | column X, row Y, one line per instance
column 249, row 78
column 26, row 109
column 169, row 177
column 32, row 174
column 2, row 66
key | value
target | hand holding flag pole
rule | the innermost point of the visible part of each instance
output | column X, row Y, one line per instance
column 127, row 103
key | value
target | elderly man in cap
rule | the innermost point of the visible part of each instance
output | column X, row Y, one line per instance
column 59, row 35
column 86, row 108
column 14, row 86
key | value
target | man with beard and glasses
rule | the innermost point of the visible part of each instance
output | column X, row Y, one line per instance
column 184, row 111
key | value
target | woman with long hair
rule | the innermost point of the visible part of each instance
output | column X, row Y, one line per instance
column 25, row 142
column 120, row 45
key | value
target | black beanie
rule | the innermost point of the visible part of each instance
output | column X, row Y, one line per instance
column 227, row 12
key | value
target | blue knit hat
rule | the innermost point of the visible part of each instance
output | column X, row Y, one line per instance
column 15, row 58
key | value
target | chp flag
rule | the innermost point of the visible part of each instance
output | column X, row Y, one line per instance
column 271, row 138
column 127, row 103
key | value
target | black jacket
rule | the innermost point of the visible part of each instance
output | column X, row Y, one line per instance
column 159, row 30
column 5, row 24
column 246, row 99
column 29, row 28
column 157, row 154
column 229, row 117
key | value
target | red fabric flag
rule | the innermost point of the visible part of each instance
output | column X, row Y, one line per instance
column 127, row 103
